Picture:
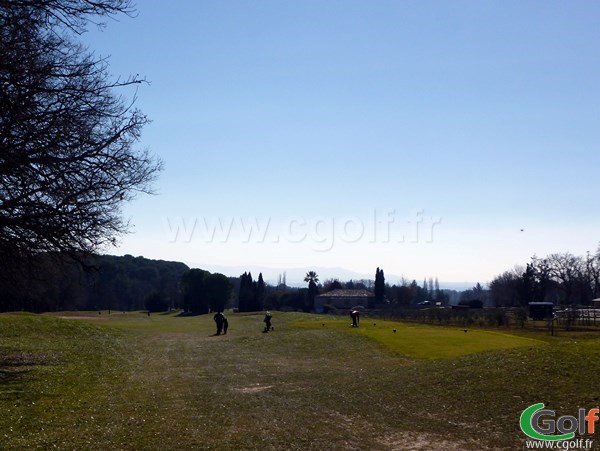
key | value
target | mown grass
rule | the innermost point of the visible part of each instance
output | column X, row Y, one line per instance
column 129, row 381
column 54, row 378
column 426, row 342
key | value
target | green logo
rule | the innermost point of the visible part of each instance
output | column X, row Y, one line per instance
column 543, row 430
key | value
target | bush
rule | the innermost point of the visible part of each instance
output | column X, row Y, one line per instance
column 474, row 303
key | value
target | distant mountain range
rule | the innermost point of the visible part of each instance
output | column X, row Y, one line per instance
column 295, row 276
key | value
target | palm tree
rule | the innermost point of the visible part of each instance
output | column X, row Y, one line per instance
column 313, row 279
column 311, row 276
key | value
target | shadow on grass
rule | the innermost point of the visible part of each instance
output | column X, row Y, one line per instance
column 188, row 314
column 13, row 365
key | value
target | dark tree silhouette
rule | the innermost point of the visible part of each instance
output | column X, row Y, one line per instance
column 426, row 294
column 311, row 276
column 203, row 291
column 334, row 284
column 313, row 279
column 379, row 286
column 218, row 289
column 312, row 292
column 156, row 302
column 193, row 284
column 259, row 294
column 246, row 294
column 562, row 278
column 67, row 157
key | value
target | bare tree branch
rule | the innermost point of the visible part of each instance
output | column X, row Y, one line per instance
column 67, row 156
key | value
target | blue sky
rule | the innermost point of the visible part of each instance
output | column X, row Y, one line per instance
column 308, row 119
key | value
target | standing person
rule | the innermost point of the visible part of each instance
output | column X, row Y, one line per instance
column 219, row 319
column 355, row 315
column 267, row 321
column 225, row 325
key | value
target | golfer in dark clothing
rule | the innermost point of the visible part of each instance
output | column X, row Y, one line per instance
column 220, row 320
column 267, row 321
column 355, row 315
column 225, row 325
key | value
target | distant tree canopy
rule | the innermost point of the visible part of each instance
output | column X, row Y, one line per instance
column 193, row 287
column 204, row 292
column 561, row 278
column 156, row 302
column 333, row 284
column 474, row 296
column 406, row 294
column 251, row 295
column 117, row 283
column 124, row 283
column 67, row 157
column 218, row 290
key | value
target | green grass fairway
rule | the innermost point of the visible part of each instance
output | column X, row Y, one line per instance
column 424, row 342
column 84, row 381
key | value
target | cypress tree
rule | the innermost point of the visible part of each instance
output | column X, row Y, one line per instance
column 379, row 286
column 260, row 292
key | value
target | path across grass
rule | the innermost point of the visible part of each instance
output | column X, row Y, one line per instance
column 129, row 381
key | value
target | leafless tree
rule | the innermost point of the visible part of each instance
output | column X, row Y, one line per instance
column 566, row 270
column 67, row 156
column 505, row 289
column 593, row 272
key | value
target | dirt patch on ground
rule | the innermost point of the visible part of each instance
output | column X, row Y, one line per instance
column 17, row 358
column 252, row 388
column 413, row 441
column 409, row 441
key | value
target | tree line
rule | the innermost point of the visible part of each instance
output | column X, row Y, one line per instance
column 96, row 282
column 251, row 296
column 560, row 278
column 204, row 292
column 256, row 295
column 107, row 282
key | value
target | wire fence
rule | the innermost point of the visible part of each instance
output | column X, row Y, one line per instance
column 562, row 319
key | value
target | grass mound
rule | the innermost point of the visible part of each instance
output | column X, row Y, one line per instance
column 55, row 376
